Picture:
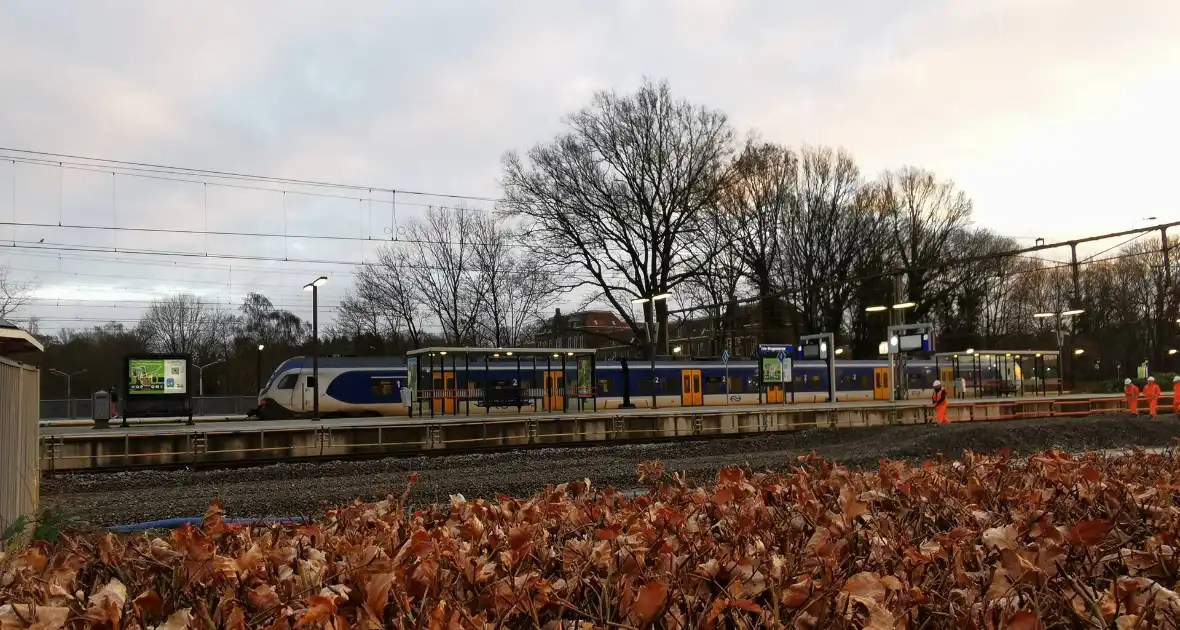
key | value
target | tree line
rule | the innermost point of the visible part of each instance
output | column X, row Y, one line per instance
column 645, row 194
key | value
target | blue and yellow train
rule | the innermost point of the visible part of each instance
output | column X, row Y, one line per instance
column 379, row 386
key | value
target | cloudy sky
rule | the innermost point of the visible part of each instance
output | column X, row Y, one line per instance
column 1057, row 117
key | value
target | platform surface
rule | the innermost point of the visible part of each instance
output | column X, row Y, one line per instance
column 220, row 425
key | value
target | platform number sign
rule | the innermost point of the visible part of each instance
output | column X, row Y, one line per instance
column 725, row 362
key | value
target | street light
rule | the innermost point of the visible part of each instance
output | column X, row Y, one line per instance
column 201, row 377
column 649, row 306
column 1060, row 342
column 258, row 369
column 69, row 390
column 314, row 287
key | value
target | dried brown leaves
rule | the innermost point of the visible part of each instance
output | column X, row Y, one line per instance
column 976, row 543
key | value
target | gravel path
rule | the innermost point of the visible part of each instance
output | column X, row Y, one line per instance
column 303, row 488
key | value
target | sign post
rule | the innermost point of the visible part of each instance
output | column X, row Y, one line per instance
column 725, row 362
column 782, row 370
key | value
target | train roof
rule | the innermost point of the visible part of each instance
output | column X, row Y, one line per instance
column 386, row 362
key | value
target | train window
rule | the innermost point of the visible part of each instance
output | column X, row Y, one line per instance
column 603, row 386
column 288, row 381
column 667, row 387
column 737, row 385
column 714, row 385
column 382, row 387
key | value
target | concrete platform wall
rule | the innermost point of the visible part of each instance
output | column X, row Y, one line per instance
column 207, row 445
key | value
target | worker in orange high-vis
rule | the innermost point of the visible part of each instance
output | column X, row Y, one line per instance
column 1152, row 392
column 1132, row 392
column 1176, row 394
column 940, row 404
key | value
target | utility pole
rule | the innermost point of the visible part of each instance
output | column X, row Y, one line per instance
column 201, row 376
column 69, row 388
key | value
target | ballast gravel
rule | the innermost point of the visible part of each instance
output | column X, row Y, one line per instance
column 305, row 488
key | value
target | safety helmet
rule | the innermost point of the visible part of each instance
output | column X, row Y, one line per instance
column 938, row 383
column 1127, row 382
column 1151, row 379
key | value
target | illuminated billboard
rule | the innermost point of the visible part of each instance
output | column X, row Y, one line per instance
column 156, row 376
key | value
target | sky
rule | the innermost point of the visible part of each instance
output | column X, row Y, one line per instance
column 1056, row 117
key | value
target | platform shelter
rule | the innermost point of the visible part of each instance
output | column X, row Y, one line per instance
column 1000, row 373
column 452, row 380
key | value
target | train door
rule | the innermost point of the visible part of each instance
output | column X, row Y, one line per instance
column 881, row 384
column 554, row 394
column 947, row 376
column 443, row 384
column 690, row 390
column 307, row 386
column 774, row 393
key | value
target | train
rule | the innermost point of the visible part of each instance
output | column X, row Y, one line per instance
column 381, row 386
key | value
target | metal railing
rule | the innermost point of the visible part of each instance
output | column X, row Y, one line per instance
column 80, row 408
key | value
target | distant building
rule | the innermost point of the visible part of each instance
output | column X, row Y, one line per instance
column 739, row 331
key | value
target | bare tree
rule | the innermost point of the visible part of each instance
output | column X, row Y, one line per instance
column 386, row 289
column 623, row 193
column 923, row 216
column 750, row 217
column 519, row 285
column 183, row 323
column 829, row 227
column 445, row 273
column 262, row 323
column 718, row 287
column 13, row 294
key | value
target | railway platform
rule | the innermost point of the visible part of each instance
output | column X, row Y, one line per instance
column 237, row 442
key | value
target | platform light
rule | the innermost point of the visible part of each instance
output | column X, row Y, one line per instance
column 509, row 353
column 1172, row 351
column 676, row 350
column 1043, row 315
column 878, row 309
column 1076, row 311
column 443, row 353
column 569, row 354
column 905, row 305
column 1078, row 351
column 839, row 351
column 893, row 340
column 261, row 346
column 970, row 350
column 883, row 347
column 555, row 355
column 496, row 355
column 639, row 300
column 1038, row 355
column 318, row 282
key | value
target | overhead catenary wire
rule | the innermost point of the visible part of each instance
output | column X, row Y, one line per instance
column 165, row 169
column 948, row 263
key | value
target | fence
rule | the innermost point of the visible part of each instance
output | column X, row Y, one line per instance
column 62, row 409
column 20, row 389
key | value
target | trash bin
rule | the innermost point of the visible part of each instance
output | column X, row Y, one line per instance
column 101, row 409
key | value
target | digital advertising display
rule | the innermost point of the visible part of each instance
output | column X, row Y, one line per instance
column 157, row 376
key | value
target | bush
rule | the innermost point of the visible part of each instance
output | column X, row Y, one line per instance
column 981, row 542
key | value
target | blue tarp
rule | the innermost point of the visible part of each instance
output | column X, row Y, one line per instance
column 170, row 523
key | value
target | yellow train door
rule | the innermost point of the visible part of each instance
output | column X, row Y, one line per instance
column 881, row 384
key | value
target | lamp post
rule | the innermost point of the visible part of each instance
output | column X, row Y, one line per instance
column 314, row 287
column 649, row 316
column 258, row 370
column 69, row 389
column 201, row 376
column 1058, row 316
